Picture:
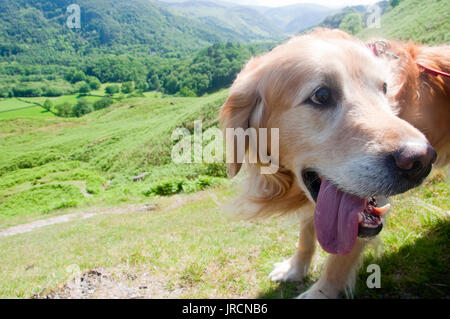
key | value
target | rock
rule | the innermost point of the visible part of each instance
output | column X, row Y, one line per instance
column 150, row 207
column 140, row 177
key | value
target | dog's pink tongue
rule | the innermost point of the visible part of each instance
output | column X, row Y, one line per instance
column 336, row 218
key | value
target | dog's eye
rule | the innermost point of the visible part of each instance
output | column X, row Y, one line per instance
column 321, row 96
column 384, row 87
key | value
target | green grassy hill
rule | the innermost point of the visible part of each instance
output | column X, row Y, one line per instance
column 425, row 21
column 51, row 157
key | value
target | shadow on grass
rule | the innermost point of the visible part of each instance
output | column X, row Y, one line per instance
column 287, row 290
column 417, row 270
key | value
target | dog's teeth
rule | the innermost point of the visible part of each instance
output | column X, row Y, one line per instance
column 382, row 210
column 370, row 225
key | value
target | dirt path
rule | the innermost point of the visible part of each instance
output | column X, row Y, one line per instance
column 173, row 202
column 25, row 228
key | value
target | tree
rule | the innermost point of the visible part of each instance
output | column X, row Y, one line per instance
column 142, row 85
column 64, row 109
column 127, row 87
column 84, row 89
column 52, row 91
column 94, row 83
column 172, row 85
column 352, row 23
column 77, row 77
column 112, row 89
column 154, row 83
column 81, row 108
column 102, row 103
column 69, row 74
column 47, row 105
column 20, row 91
column 394, row 3
column 5, row 92
column 187, row 92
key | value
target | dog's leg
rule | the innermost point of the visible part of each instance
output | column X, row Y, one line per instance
column 338, row 274
column 296, row 267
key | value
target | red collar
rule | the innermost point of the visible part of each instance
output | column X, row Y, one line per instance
column 378, row 52
column 372, row 46
column 432, row 71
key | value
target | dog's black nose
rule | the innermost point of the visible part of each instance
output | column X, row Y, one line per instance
column 414, row 161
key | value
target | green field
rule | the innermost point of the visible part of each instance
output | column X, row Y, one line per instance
column 14, row 108
column 110, row 146
column 227, row 258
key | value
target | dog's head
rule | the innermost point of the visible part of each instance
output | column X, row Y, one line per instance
column 339, row 137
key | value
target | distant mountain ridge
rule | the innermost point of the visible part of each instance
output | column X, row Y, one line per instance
column 297, row 17
column 37, row 29
column 271, row 21
column 243, row 20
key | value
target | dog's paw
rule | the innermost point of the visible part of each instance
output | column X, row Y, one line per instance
column 317, row 292
column 312, row 294
column 288, row 270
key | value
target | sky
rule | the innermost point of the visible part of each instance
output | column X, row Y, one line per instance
column 328, row 3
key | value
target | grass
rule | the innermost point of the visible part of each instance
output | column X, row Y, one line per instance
column 425, row 21
column 52, row 166
column 417, row 255
column 99, row 154
column 228, row 257
column 29, row 107
column 14, row 108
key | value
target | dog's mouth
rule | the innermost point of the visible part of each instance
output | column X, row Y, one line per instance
column 340, row 217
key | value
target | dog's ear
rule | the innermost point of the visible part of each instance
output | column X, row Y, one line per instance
column 238, row 108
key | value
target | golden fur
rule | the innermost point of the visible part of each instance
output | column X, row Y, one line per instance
column 270, row 92
column 423, row 99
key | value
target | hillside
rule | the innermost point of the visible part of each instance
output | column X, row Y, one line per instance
column 37, row 31
column 245, row 21
column 137, row 41
column 267, row 22
column 352, row 18
column 48, row 163
column 426, row 21
column 293, row 19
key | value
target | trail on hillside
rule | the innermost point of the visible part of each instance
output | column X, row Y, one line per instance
column 28, row 227
column 176, row 201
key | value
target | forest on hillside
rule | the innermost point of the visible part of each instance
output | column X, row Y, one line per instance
column 135, row 41
column 140, row 43
column 208, row 70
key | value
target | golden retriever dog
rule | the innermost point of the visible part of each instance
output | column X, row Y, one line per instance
column 419, row 89
column 343, row 145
